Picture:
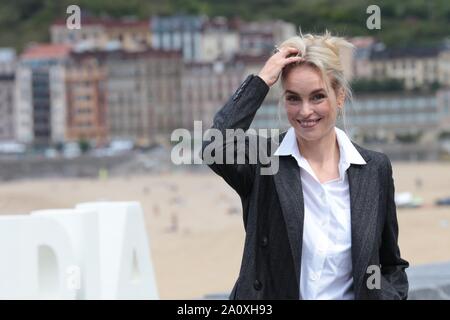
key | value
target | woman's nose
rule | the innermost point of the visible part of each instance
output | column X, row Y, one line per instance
column 305, row 111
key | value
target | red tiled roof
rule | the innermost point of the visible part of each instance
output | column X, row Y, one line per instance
column 46, row 51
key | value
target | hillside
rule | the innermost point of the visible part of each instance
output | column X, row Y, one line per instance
column 403, row 22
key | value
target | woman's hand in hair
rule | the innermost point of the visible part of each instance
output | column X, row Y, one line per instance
column 273, row 66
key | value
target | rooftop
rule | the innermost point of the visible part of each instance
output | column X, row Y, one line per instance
column 108, row 22
column 46, row 51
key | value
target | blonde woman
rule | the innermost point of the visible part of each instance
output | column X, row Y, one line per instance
column 324, row 225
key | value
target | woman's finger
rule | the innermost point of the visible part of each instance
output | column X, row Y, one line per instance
column 292, row 60
column 271, row 70
column 289, row 50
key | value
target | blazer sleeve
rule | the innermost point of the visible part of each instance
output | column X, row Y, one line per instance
column 392, row 265
column 237, row 113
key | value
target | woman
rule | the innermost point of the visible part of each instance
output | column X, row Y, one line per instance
column 324, row 225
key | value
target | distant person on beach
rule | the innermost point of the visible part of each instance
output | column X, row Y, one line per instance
column 324, row 225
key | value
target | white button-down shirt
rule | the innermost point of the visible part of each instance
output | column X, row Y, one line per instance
column 326, row 265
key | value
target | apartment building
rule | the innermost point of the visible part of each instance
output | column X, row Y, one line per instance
column 7, row 88
column 144, row 94
column 85, row 82
column 403, row 125
column 40, row 101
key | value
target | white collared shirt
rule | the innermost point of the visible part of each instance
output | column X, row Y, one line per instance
column 326, row 265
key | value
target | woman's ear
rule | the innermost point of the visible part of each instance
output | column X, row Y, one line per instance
column 340, row 97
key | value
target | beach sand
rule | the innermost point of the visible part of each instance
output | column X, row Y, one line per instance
column 195, row 227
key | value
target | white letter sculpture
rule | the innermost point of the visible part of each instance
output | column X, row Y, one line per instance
column 98, row 250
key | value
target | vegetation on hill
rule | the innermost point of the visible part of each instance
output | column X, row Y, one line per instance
column 402, row 22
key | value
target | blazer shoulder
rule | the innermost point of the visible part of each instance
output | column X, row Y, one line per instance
column 376, row 157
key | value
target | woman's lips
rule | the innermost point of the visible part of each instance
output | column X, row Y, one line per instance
column 308, row 123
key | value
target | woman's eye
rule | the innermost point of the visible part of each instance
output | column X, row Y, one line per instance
column 319, row 96
column 292, row 98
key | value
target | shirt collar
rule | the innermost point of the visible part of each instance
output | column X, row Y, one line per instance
column 348, row 152
column 347, row 148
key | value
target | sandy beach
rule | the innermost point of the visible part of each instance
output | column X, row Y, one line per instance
column 194, row 220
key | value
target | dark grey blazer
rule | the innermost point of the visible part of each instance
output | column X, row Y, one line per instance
column 273, row 212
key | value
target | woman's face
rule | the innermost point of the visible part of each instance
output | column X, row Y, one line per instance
column 308, row 105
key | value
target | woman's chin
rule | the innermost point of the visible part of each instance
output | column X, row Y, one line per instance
column 308, row 134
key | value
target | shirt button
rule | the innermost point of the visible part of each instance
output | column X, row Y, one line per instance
column 323, row 197
column 322, row 250
column 264, row 241
column 314, row 276
column 257, row 285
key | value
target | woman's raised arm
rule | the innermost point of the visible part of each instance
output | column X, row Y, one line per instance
column 227, row 153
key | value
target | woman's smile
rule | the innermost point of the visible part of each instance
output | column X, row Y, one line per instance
column 309, row 123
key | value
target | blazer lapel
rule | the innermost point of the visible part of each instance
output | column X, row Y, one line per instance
column 289, row 188
column 364, row 192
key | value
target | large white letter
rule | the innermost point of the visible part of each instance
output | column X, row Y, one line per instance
column 125, row 262
column 82, row 227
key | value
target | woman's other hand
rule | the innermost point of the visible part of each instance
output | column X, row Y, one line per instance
column 273, row 66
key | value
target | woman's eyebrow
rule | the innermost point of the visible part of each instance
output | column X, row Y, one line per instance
column 312, row 92
column 292, row 92
column 317, row 91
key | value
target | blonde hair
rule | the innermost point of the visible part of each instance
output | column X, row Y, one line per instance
column 323, row 53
